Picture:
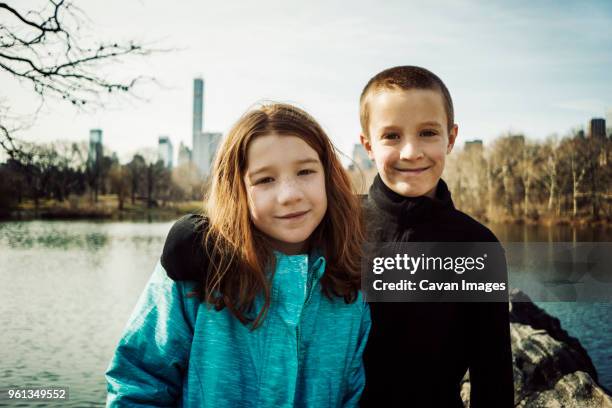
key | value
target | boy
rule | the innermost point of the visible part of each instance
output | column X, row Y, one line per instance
column 417, row 353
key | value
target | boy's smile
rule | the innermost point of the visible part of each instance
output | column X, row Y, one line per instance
column 408, row 139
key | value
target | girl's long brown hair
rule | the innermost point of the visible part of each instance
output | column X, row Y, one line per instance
column 239, row 253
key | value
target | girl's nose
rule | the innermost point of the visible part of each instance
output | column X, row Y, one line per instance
column 289, row 192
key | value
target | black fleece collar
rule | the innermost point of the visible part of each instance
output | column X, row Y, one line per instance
column 410, row 210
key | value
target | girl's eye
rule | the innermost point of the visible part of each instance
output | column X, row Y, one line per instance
column 429, row 133
column 390, row 136
column 263, row 180
column 305, row 172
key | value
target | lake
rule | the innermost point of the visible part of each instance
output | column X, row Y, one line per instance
column 68, row 287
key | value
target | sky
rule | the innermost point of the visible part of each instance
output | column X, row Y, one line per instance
column 538, row 68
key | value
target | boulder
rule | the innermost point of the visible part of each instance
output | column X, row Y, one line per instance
column 551, row 368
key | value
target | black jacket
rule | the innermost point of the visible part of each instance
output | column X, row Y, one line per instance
column 183, row 256
column 417, row 353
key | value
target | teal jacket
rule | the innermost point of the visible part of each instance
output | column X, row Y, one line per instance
column 176, row 351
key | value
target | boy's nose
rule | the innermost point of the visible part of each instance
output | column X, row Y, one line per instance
column 410, row 151
column 289, row 191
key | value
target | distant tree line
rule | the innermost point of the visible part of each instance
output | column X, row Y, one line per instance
column 513, row 178
column 516, row 178
column 61, row 170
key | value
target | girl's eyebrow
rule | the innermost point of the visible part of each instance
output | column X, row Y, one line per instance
column 259, row 170
column 267, row 168
column 308, row 160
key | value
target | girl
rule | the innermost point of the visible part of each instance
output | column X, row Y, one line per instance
column 256, row 303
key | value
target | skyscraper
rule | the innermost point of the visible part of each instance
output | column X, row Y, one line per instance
column 473, row 146
column 165, row 151
column 598, row 128
column 362, row 170
column 360, row 157
column 198, row 106
column 204, row 143
column 94, row 155
column 205, row 146
column 184, row 154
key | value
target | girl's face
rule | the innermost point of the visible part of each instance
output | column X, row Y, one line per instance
column 285, row 184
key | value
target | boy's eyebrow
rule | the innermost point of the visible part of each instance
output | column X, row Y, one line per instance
column 389, row 127
column 431, row 123
column 267, row 168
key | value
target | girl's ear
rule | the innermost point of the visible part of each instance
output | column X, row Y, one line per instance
column 367, row 145
column 452, row 137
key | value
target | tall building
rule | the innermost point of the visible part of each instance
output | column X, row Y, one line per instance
column 94, row 154
column 609, row 123
column 597, row 128
column 165, row 151
column 205, row 146
column 184, row 154
column 360, row 157
column 215, row 141
column 473, row 146
column 198, row 106
column 204, row 143
column 362, row 171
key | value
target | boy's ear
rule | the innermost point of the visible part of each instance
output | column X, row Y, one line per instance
column 452, row 137
column 367, row 145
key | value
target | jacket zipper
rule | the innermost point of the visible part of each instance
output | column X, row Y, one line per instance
column 309, row 291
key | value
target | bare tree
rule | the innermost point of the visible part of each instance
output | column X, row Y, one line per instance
column 68, row 160
column 187, row 178
column 44, row 50
column 136, row 173
column 120, row 183
column 577, row 168
column 528, row 168
column 596, row 162
column 550, row 153
column 505, row 158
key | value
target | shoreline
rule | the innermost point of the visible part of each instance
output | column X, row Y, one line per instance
column 170, row 212
column 107, row 208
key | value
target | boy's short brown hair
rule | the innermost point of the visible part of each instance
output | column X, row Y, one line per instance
column 404, row 77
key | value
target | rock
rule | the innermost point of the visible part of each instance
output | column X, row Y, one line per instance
column 524, row 311
column 551, row 368
column 575, row 390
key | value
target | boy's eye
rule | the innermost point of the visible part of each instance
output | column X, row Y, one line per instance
column 390, row 136
column 429, row 133
column 263, row 180
column 305, row 172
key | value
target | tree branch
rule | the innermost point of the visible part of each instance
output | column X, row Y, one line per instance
column 29, row 53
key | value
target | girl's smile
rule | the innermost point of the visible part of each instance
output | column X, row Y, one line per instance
column 295, row 216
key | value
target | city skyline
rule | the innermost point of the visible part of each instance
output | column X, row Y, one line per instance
column 534, row 69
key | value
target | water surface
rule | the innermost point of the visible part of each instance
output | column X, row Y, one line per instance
column 68, row 287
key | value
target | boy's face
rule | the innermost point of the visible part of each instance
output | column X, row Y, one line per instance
column 409, row 139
